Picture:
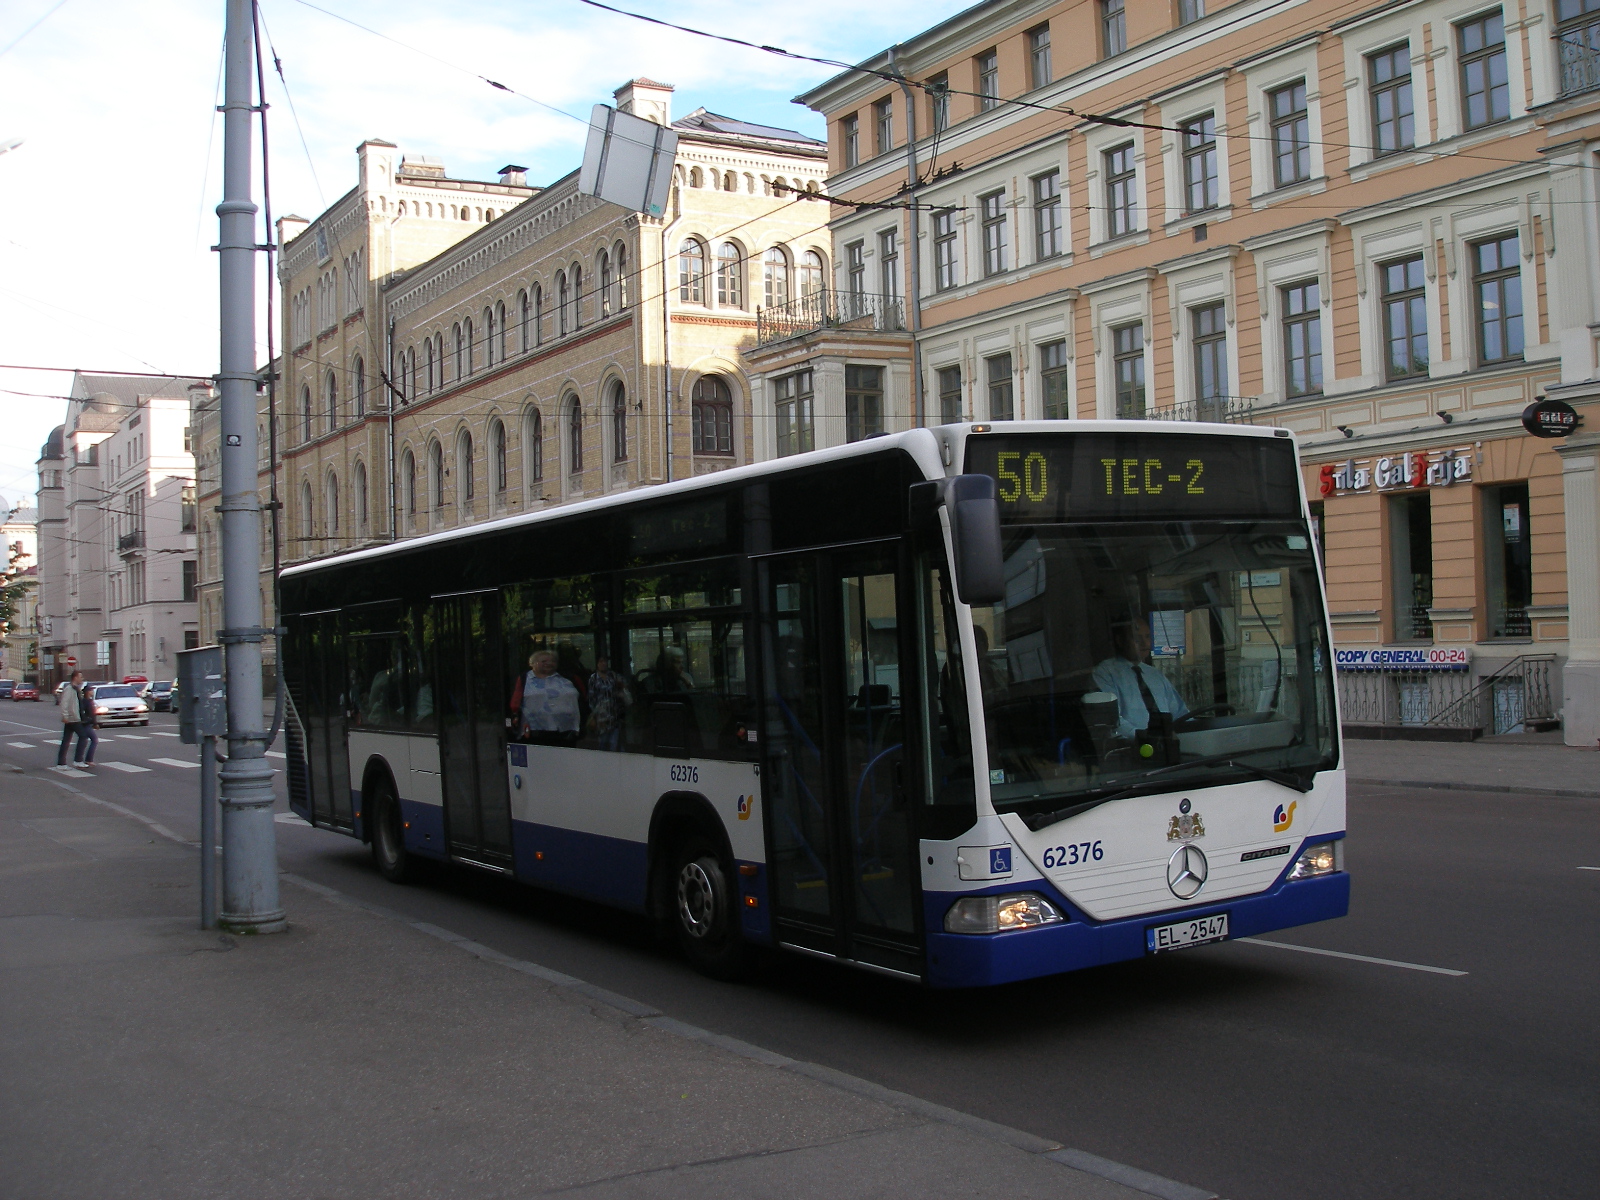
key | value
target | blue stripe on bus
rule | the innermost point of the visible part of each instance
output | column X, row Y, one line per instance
column 424, row 828
column 968, row 960
column 592, row 865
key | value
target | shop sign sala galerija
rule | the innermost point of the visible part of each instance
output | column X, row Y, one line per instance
column 1397, row 472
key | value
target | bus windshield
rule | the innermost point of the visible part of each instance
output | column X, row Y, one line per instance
column 1129, row 653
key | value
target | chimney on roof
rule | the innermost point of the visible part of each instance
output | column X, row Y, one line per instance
column 646, row 98
column 513, row 175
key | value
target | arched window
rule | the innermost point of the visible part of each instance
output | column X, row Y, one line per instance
column 620, row 257
column 692, row 271
column 575, row 437
column 466, row 474
column 305, row 413
column 500, row 323
column 522, row 313
column 538, row 314
column 619, row 422
column 438, row 345
column 360, row 372
column 466, row 329
column 489, row 329
column 811, row 273
column 775, row 277
column 331, row 489
column 711, row 416
column 435, row 475
column 605, row 284
column 532, row 449
column 411, row 373
column 561, row 303
column 730, row 182
column 577, row 296
column 461, row 351
column 359, row 484
column 308, row 515
column 696, row 177
column 497, row 448
column 331, row 391
column 408, row 483
column 432, row 380
column 730, row 276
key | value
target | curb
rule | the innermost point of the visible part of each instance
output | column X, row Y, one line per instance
column 1499, row 788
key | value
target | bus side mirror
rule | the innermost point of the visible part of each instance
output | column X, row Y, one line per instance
column 975, row 535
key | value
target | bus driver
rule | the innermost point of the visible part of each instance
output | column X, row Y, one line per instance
column 1138, row 686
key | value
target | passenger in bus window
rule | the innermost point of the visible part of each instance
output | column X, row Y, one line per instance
column 1138, row 686
column 671, row 674
column 609, row 701
column 547, row 703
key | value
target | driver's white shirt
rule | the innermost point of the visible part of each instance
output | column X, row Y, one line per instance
column 1116, row 675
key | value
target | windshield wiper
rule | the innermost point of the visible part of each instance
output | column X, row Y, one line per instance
column 1149, row 783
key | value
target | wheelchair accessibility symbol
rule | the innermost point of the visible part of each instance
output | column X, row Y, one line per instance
column 1000, row 860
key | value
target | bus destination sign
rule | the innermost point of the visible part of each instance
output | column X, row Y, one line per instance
column 1060, row 477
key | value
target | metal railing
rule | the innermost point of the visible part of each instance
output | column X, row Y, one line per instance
column 1580, row 60
column 1502, row 702
column 1506, row 699
column 131, row 541
column 1228, row 410
column 828, row 308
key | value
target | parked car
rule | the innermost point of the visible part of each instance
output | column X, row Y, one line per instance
column 6, row 688
column 117, row 704
column 25, row 691
column 158, row 695
column 60, row 687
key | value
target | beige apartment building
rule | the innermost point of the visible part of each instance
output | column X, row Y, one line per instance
column 1373, row 224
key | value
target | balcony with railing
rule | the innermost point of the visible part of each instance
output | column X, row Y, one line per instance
column 130, row 541
column 828, row 308
column 1222, row 410
column 1578, row 51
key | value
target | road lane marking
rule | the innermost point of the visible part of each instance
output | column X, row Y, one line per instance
column 161, row 733
column 276, row 754
column 22, row 745
column 176, row 762
column 137, row 737
column 1580, row 868
column 1382, row 962
column 130, row 768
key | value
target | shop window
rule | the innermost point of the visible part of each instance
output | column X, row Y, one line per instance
column 1411, row 566
column 1507, row 562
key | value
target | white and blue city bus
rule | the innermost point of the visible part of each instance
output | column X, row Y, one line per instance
column 965, row 705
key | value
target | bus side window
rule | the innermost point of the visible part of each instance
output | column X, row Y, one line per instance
column 377, row 681
column 418, row 676
column 552, row 633
column 948, row 737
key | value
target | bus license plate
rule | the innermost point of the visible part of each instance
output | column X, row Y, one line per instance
column 1182, row 934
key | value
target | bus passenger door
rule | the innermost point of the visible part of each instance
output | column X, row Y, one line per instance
column 471, row 712
column 320, row 698
column 843, row 869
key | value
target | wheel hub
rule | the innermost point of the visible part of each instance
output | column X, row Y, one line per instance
column 697, row 900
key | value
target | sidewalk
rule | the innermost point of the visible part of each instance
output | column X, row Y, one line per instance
column 365, row 1055
column 1530, row 764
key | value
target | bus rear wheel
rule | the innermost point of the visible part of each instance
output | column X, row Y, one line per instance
column 389, row 854
column 704, row 913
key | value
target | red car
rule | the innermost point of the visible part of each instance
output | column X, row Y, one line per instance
column 25, row 691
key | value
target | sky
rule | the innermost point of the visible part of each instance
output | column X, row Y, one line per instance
column 107, row 205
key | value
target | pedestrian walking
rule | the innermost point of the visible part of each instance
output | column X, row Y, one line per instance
column 77, row 719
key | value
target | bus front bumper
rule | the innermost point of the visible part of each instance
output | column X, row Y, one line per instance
column 982, row 960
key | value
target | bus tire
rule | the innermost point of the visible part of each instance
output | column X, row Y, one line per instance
column 389, row 854
column 705, row 915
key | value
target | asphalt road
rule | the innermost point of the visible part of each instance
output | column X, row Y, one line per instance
column 1258, row 1072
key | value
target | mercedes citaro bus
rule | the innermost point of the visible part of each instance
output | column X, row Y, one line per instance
column 962, row 705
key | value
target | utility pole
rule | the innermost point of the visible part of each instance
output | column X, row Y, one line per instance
column 249, row 836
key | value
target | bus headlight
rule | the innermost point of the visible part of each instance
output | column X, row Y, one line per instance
column 1321, row 859
column 998, row 914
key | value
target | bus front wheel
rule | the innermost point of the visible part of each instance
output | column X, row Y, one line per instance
column 704, row 912
column 394, row 862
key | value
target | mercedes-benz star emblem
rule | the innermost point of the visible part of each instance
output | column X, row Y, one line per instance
column 1186, row 871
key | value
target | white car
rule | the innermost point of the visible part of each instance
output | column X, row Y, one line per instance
column 118, row 704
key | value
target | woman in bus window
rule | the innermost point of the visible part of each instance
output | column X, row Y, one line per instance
column 609, row 700
column 546, row 703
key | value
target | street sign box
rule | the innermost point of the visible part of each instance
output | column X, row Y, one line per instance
column 202, row 694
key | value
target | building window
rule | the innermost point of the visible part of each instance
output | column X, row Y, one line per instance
column 993, row 210
column 1113, row 27
column 1002, row 398
column 538, row 314
column 1291, row 134
column 1039, row 72
column 850, row 134
column 619, row 422
column 1497, row 284
column 1485, row 93
column 939, row 102
column 308, row 515
column 944, row 250
column 577, row 296
column 436, row 475
column 863, row 402
column 460, row 350
column 305, row 413
column 189, row 511
column 730, row 276
column 1411, row 549
column 1053, row 380
column 360, row 487
column 408, row 482
column 889, row 262
column 524, row 342
column 811, row 273
column 360, row 372
column 497, row 449
column 1127, row 370
column 949, row 395
column 1302, row 339
column 191, row 579
column 331, row 495
column 1405, row 318
column 433, row 367
column 1190, row 11
column 1200, row 163
column 1047, row 215
column 1578, row 44
column 1507, row 561
column 792, row 400
column 620, row 258
column 1210, row 327
column 605, row 283
column 1389, row 75
column 561, row 304
column 775, row 277
column 988, row 80
column 855, row 268
column 532, row 447
column 331, row 391
column 574, row 437
column 1122, row 197
column 711, row 416
column 466, row 329
column 883, row 126
column 691, row 271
